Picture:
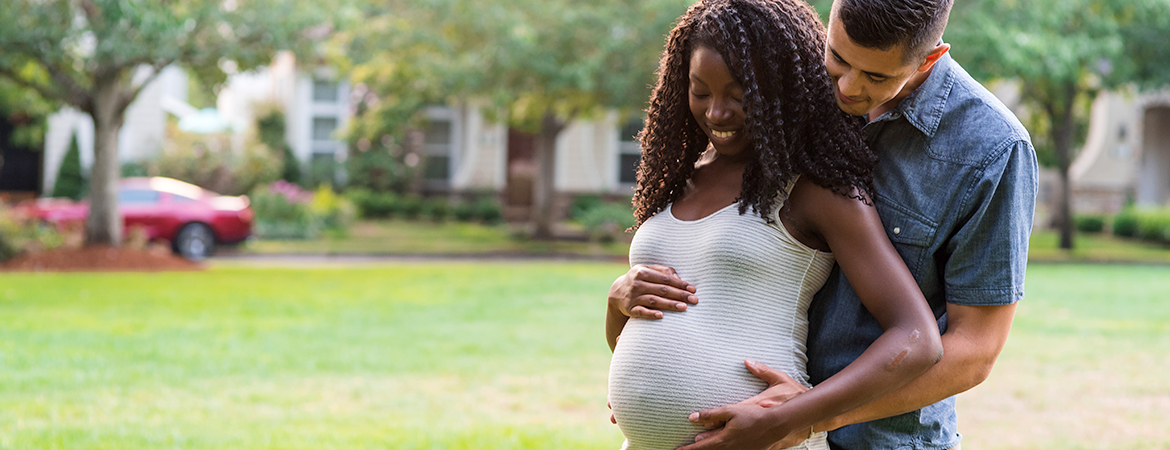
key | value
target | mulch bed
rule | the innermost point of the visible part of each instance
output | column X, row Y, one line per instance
column 100, row 258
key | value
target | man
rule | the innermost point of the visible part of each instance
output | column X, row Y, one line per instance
column 955, row 188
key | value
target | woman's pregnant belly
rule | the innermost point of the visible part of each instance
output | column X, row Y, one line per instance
column 664, row 370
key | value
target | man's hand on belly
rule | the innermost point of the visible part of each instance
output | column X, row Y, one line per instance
column 781, row 388
column 647, row 290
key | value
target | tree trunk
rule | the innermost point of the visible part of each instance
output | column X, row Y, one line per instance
column 543, row 186
column 104, row 225
column 1062, row 134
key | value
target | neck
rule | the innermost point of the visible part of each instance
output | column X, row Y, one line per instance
column 915, row 81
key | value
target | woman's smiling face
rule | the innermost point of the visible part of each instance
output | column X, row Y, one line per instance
column 716, row 101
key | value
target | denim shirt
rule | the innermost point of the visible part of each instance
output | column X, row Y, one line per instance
column 955, row 187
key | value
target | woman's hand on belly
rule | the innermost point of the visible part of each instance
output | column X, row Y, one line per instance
column 647, row 290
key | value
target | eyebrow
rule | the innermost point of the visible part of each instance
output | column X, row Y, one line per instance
column 696, row 78
column 872, row 74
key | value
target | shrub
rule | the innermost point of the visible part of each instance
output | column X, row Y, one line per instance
column 371, row 204
column 607, row 221
column 283, row 212
column 20, row 233
column 410, row 206
column 582, row 204
column 1154, row 226
column 1090, row 223
column 208, row 161
column 463, row 211
column 1125, row 223
column 1146, row 224
column 334, row 213
column 487, row 210
column 436, row 209
column 70, row 181
column 377, row 170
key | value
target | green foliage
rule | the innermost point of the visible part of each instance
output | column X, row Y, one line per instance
column 1094, row 223
column 487, row 210
column 26, row 111
column 91, row 54
column 20, row 233
column 335, row 213
column 283, row 212
column 323, row 172
column 135, row 169
column 70, row 183
column 208, row 161
column 521, row 60
column 608, row 221
column 1151, row 225
column 373, row 205
column 436, row 208
column 582, row 204
column 411, row 206
column 270, row 129
column 378, row 170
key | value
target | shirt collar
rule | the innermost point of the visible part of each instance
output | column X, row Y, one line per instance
column 923, row 108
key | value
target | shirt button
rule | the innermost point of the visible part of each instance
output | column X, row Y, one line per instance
column 897, row 230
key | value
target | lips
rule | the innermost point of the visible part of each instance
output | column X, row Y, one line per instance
column 845, row 99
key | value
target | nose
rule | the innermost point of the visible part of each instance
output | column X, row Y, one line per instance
column 848, row 84
column 719, row 110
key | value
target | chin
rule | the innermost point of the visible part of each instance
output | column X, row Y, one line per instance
column 856, row 109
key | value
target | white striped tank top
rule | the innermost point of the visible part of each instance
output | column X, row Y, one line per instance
column 754, row 282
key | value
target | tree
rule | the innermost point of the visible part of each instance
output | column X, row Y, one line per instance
column 1062, row 53
column 70, row 181
column 98, row 55
column 539, row 63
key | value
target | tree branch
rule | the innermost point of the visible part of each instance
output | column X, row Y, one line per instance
column 45, row 92
column 129, row 97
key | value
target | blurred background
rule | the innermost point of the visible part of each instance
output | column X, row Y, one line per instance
column 392, row 224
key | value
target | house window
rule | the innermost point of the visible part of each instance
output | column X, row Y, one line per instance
column 437, row 150
column 325, row 91
column 629, row 152
column 323, row 128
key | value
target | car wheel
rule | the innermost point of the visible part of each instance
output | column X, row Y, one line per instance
column 195, row 242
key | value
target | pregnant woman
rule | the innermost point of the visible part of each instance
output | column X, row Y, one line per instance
column 752, row 183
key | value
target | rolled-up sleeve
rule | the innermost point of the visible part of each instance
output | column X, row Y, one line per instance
column 989, row 251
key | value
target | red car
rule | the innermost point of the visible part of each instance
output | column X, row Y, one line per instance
column 193, row 219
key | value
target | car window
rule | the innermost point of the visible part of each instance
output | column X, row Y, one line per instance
column 137, row 196
column 176, row 198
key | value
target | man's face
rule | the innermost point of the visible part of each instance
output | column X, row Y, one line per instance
column 863, row 78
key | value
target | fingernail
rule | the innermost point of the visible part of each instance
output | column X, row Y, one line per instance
column 750, row 362
column 699, row 438
column 682, row 306
column 693, row 299
column 694, row 417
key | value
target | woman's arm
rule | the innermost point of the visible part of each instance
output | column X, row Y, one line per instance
column 909, row 346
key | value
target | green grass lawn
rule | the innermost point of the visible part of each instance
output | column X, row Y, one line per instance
column 423, row 237
column 1094, row 247
column 400, row 237
column 480, row 356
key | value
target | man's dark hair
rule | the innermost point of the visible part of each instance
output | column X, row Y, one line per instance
column 775, row 50
column 917, row 25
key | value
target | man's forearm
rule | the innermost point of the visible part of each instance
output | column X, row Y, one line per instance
column 974, row 339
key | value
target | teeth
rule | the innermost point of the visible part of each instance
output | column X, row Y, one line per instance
column 723, row 134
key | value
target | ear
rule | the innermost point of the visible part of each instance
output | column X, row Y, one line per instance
column 934, row 56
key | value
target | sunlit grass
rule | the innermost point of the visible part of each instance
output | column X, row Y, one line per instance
column 480, row 356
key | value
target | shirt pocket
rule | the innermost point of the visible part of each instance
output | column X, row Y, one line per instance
column 911, row 233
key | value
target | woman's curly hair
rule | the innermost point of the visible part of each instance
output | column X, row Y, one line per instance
column 775, row 50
